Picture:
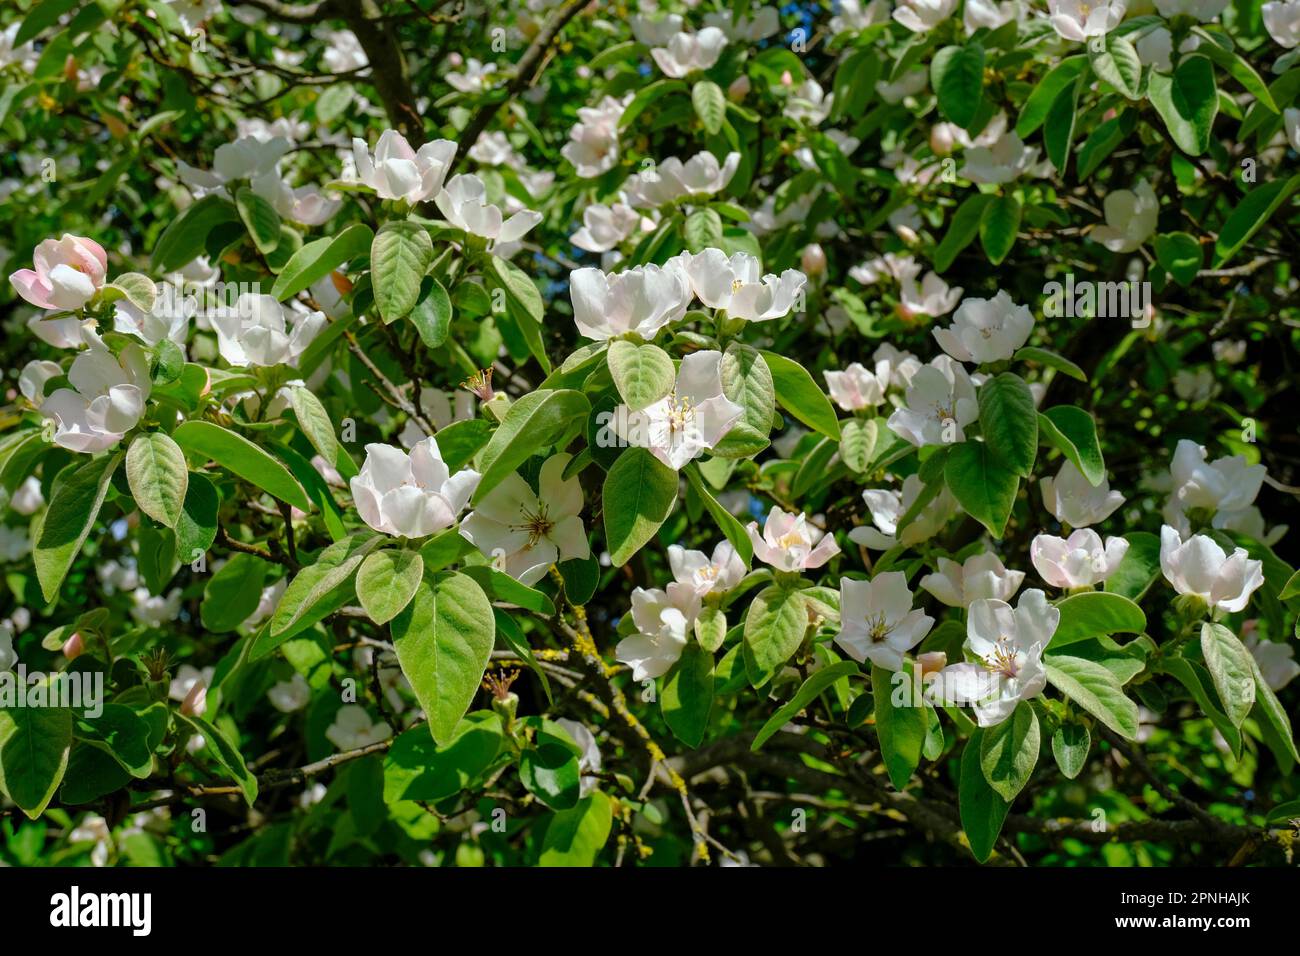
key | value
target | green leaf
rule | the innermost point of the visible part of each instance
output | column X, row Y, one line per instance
column 1034, row 113
column 1118, row 64
column 432, row 313
column 1180, row 255
column 687, row 695
column 525, row 305
column 400, row 255
column 314, row 422
column 957, row 77
column 1096, row 613
column 139, row 290
column 534, row 421
column 225, row 753
column 808, row 691
column 232, row 593
column 417, row 768
column 1096, row 690
column 858, row 442
column 1009, row 421
column 386, row 582
column 502, row 588
column 1072, row 432
column 42, row 15
column 1231, row 668
column 312, row 592
column 1070, row 745
column 1009, row 751
column 197, row 527
column 747, row 381
column 710, row 105
column 34, row 747
column 982, row 811
column 800, row 396
column 550, row 770
column 775, row 625
column 639, row 494
column 185, row 238
column 702, row 230
column 575, row 837
column 982, row 485
column 242, row 458
column 1139, row 568
column 1250, row 215
column 962, row 230
column 1103, row 141
column 998, row 227
column 260, row 218
column 643, row 373
column 1043, row 357
column 1187, row 101
column 157, row 476
column 1273, row 719
column 122, row 734
column 317, row 259
column 900, row 727
column 1238, row 69
column 711, row 628
column 68, row 520
column 443, row 640
column 727, row 523
column 1058, row 130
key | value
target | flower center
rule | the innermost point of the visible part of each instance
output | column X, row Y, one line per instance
column 737, row 285
column 878, row 628
column 1002, row 660
column 681, row 412
column 944, row 412
column 537, row 524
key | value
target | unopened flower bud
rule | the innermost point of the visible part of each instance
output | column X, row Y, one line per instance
column 813, row 259
column 931, row 662
column 74, row 647
column 196, row 701
column 941, row 139
column 739, row 88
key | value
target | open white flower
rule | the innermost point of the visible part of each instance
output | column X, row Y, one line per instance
column 353, row 729
column 410, row 495
column 169, row 318
column 790, row 543
column 604, row 227
column 1079, row 561
column 106, row 400
column 689, row 420
column 758, row 25
column 464, row 204
column 877, row 622
column 1074, row 502
column 1282, row 21
column 736, row 284
column 988, row 13
column 593, row 141
column 980, row 577
column 8, row 656
column 474, row 78
column 1227, row 487
column 344, row 52
column 1199, row 567
column 155, row 610
column 855, row 388
column 1008, row 646
column 290, row 695
column 986, row 330
column 1078, row 20
column 396, row 171
column 255, row 331
column 664, row 621
column 1203, row 10
column 687, row 52
column 921, row 16
column 705, row 574
column 854, row 15
column 809, row 103
column 1007, row 159
column 933, row 297
column 894, row 366
column 27, row 498
column 940, row 403
column 641, row 300
column 525, row 532
column 246, row 158
column 701, row 175
column 1130, row 218
column 887, row 507
column 655, row 31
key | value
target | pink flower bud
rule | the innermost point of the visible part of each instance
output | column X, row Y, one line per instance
column 739, row 88
column 941, row 139
column 931, row 662
column 786, row 78
column 196, row 701
column 74, row 647
column 813, row 259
